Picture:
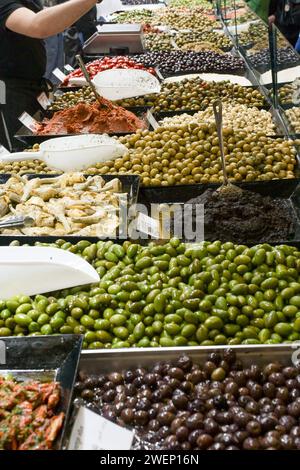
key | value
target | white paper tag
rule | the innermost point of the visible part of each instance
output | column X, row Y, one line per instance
column 147, row 225
column 152, row 120
column 28, row 121
column 44, row 100
column 296, row 92
column 157, row 71
column 174, row 44
column 93, row 432
column 3, row 151
column 59, row 74
column 68, row 68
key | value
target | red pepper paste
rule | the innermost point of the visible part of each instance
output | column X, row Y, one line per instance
column 91, row 118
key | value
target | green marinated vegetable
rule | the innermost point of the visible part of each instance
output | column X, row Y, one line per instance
column 170, row 295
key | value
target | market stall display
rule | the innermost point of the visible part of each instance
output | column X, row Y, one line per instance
column 191, row 3
column 237, row 116
column 29, row 407
column 243, row 17
column 71, row 98
column 70, row 204
column 285, row 57
column 72, row 153
column 287, row 94
column 178, row 19
column 245, row 217
column 106, row 63
column 184, row 39
column 159, row 42
column 193, row 156
column 223, row 403
column 293, row 116
column 188, row 161
column 186, row 94
column 47, row 269
column 140, row 2
column 195, row 95
column 201, row 46
column 37, row 381
column 174, row 62
column 134, row 16
column 92, row 118
column 170, row 295
column 120, row 84
column 220, row 317
column 27, row 166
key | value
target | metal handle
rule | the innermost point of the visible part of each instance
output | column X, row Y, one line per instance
column 218, row 112
column 16, row 222
column 88, row 79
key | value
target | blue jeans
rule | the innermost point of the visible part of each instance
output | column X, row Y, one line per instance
column 55, row 55
column 297, row 47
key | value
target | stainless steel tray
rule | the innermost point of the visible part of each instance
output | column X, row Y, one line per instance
column 105, row 361
column 44, row 358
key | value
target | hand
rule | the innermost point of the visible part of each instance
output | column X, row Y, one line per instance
column 272, row 19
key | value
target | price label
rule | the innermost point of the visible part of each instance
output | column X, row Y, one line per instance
column 68, row 68
column 93, row 432
column 28, row 121
column 2, row 351
column 174, row 44
column 157, row 71
column 152, row 120
column 43, row 100
column 296, row 92
column 3, row 151
column 59, row 74
column 147, row 225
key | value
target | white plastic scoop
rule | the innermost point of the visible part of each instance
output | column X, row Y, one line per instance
column 36, row 270
column 72, row 153
column 117, row 84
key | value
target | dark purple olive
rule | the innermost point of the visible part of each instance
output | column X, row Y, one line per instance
column 184, row 363
column 127, row 415
column 195, row 421
column 204, row 441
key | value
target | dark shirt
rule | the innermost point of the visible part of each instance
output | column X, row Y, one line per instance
column 21, row 57
column 87, row 24
column 277, row 8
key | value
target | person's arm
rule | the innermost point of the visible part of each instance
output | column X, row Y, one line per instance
column 49, row 21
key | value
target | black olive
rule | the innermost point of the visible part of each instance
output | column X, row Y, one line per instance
column 195, row 421
column 184, row 363
column 220, row 402
column 180, row 400
column 176, row 373
column 87, row 394
column 127, row 415
column 115, row 378
column 182, row 433
column 204, row 441
column 109, row 396
column 129, row 376
column 143, row 404
column 165, row 417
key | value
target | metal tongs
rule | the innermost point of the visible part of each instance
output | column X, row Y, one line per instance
column 218, row 112
column 17, row 222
